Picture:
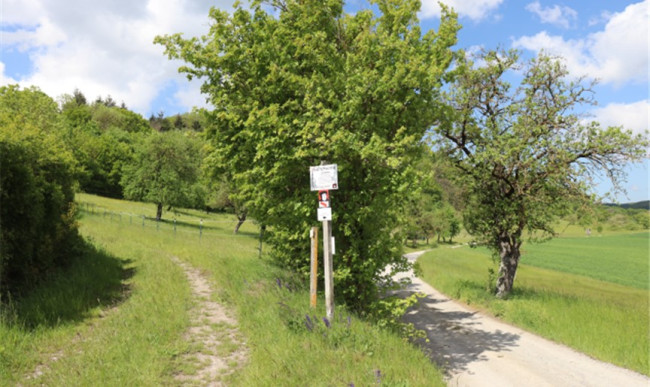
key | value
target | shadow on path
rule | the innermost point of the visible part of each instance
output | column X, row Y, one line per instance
column 455, row 336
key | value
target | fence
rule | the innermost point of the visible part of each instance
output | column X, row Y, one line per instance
column 201, row 229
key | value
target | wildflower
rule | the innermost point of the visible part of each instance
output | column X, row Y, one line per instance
column 326, row 321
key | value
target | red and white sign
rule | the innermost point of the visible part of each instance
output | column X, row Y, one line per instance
column 323, row 198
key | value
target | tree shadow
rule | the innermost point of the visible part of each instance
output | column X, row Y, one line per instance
column 454, row 337
column 94, row 279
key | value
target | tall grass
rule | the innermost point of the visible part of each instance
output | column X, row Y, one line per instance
column 129, row 324
column 605, row 320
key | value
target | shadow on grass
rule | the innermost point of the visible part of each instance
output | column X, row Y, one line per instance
column 94, row 279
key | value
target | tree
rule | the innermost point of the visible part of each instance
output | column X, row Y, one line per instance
column 165, row 171
column 311, row 84
column 102, row 141
column 524, row 153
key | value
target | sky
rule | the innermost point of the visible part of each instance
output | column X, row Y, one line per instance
column 106, row 48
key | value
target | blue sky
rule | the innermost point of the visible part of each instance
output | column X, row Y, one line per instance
column 105, row 48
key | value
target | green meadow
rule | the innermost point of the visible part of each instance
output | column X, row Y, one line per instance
column 621, row 259
column 117, row 315
column 590, row 293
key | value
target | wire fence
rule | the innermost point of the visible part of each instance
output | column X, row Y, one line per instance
column 202, row 228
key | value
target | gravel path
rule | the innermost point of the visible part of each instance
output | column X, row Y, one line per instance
column 217, row 348
column 476, row 350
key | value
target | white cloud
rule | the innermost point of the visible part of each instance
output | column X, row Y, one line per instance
column 473, row 9
column 558, row 15
column 104, row 48
column 632, row 116
column 618, row 54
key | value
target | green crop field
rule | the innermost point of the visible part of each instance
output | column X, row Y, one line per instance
column 623, row 259
column 591, row 293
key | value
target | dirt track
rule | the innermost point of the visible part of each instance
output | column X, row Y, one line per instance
column 476, row 350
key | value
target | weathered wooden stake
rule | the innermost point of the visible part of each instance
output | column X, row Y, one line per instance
column 313, row 277
column 327, row 262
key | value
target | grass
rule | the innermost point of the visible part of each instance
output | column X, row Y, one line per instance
column 122, row 310
column 599, row 317
column 621, row 259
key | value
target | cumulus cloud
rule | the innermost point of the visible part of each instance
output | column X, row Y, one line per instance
column 618, row 54
column 473, row 9
column 561, row 16
column 103, row 48
column 632, row 116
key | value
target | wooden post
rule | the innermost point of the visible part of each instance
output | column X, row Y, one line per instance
column 327, row 262
column 313, row 277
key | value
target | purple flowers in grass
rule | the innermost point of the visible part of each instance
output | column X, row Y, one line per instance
column 308, row 323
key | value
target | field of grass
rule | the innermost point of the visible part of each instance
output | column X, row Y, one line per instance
column 117, row 316
column 600, row 317
column 621, row 259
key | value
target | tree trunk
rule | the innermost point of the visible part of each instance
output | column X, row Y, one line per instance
column 159, row 212
column 509, row 251
column 241, row 218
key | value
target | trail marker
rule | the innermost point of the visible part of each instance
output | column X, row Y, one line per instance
column 324, row 177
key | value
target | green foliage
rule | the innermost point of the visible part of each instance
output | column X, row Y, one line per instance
column 165, row 171
column 313, row 84
column 525, row 155
column 102, row 139
column 37, row 213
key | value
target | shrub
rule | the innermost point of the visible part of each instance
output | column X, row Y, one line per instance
column 37, row 215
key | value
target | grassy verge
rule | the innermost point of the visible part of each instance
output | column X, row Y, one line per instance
column 132, row 310
column 605, row 320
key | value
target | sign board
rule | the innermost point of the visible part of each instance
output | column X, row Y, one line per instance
column 324, row 177
column 324, row 214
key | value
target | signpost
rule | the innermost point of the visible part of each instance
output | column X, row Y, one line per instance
column 313, row 275
column 324, row 178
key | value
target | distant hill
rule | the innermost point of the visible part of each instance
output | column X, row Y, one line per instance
column 645, row 205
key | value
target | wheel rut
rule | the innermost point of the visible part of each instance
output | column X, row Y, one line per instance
column 216, row 348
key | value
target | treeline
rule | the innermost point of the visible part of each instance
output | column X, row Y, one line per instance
column 50, row 149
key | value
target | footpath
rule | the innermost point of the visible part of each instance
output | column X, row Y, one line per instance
column 477, row 350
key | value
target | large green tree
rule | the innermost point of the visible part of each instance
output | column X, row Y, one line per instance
column 165, row 171
column 309, row 83
column 525, row 154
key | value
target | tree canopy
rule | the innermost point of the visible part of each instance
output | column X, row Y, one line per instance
column 525, row 154
column 310, row 83
column 165, row 171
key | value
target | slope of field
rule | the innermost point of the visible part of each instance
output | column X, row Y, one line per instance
column 621, row 259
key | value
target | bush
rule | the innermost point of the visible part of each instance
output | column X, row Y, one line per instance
column 37, row 214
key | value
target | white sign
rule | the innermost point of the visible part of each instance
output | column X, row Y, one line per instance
column 324, row 214
column 324, row 177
